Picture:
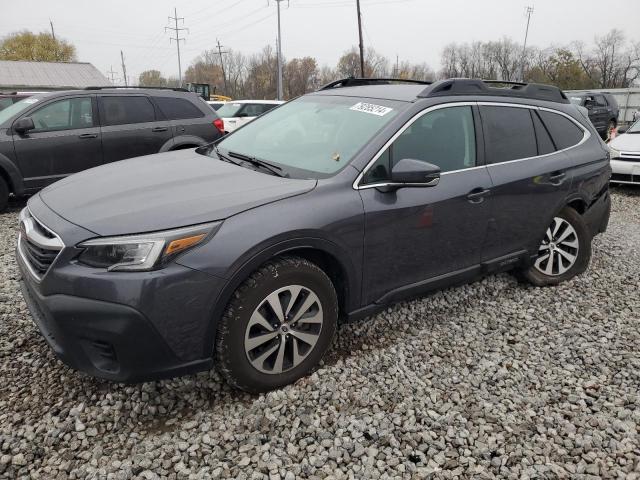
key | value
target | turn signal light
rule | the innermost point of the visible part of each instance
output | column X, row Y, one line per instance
column 181, row 244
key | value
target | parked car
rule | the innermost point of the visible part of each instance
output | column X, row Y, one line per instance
column 602, row 107
column 247, row 252
column 240, row 112
column 7, row 99
column 48, row 136
column 625, row 156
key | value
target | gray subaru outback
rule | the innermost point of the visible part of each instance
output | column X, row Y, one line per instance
column 246, row 253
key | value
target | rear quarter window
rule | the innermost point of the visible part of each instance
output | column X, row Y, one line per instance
column 178, row 108
column 564, row 132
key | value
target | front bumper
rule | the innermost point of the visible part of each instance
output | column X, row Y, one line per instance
column 625, row 171
column 122, row 326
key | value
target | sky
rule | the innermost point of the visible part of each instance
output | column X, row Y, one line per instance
column 415, row 30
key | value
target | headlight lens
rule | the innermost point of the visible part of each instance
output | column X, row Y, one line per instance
column 614, row 153
column 143, row 252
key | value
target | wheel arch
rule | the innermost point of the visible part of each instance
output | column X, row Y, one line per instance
column 10, row 173
column 324, row 253
column 183, row 141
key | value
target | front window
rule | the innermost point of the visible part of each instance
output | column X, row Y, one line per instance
column 314, row 136
column 576, row 100
column 67, row 114
column 16, row 108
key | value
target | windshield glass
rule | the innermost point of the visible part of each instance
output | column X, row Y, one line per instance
column 576, row 100
column 16, row 108
column 634, row 128
column 229, row 110
column 314, row 136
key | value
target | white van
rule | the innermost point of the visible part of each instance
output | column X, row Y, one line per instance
column 240, row 112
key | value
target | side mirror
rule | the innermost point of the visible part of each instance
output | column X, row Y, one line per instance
column 24, row 125
column 589, row 104
column 622, row 130
column 414, row 173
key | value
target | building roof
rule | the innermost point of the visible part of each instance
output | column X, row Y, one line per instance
column 49, row 75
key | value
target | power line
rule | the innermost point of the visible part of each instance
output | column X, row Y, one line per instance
column 112, row 74
column 124, row 69
column 280, row 89
column 529, row 11
column 361, row 45
column 178, row 39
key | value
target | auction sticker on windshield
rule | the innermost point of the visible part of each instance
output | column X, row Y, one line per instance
column 371, row 108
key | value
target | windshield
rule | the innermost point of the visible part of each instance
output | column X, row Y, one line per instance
column 634, row 128
column 16, row 108
column 314, row 136
column 576, row 100
column 229, row 110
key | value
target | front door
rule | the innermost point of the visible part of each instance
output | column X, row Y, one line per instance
column 66, row 140
column 415, row 234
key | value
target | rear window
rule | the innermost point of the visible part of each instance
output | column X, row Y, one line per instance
column 178, row 108
column 509, row 133
column 564, row 132
column 125, row 110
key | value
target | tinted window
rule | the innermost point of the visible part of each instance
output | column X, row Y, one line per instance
column 545, row 144
column 178, row 108
column 253, row 110
column 600, row 101
column 564, row 132
column 509, row 133
column 444, row 137
column 67, row 114
column 125, row 110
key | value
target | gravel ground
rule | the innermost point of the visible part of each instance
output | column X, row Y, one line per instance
column 494, row 379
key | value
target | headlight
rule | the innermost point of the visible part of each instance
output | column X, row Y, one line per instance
column 614, row 153
column 143, row 252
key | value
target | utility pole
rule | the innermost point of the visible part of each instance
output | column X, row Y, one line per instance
column 55, row 44
column 529, row 11
column 124, row 70
column 224, row 76
column 178, row 39
column 361, row 44
column 280, row 89
column 112, row 74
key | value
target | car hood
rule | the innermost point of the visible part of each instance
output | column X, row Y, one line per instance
column 627, row 142
column 163, row 191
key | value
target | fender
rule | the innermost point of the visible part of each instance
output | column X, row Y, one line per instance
column 180, row 140
column 240, row 274
column 15, row 177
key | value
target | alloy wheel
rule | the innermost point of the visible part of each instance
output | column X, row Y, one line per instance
column 283, row 329
column 559, row 249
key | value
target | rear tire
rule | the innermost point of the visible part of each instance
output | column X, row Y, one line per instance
column 564, row 252
column 4, row 195
column 277, row 326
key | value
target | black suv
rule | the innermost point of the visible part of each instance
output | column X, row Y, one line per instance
column 50, row 135
column 247, row 252
column 602, row 109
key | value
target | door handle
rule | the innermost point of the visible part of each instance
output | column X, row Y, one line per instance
column 557, row 178
column 477, row 195
column 88, row 135
column 159, row 129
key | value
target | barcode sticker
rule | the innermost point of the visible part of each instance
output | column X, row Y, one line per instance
column 371, row 108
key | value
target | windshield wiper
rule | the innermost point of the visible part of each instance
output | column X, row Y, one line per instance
column 223, row 157
column 276, row 170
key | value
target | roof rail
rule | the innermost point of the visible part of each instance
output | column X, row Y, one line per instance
column 469, row 86
column 175, row 89
column 356, row 82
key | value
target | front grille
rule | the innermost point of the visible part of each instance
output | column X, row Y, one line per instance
column 625, row 177
column 629, row 156
column 38, row 245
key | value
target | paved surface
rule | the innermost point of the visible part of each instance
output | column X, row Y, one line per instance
column 494, row 379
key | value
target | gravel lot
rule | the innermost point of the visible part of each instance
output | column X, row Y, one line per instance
column 494, row 379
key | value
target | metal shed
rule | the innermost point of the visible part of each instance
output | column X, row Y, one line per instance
column 46, row 76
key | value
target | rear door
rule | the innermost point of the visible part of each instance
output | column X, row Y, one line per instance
column 131, row 127
column 530, row 178
column 187, row 119
column 66, row 140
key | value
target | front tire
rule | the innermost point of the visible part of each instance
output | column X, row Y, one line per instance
column 564, row 252
column 278, row 325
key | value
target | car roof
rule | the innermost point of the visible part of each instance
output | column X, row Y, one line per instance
column 399, row 92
